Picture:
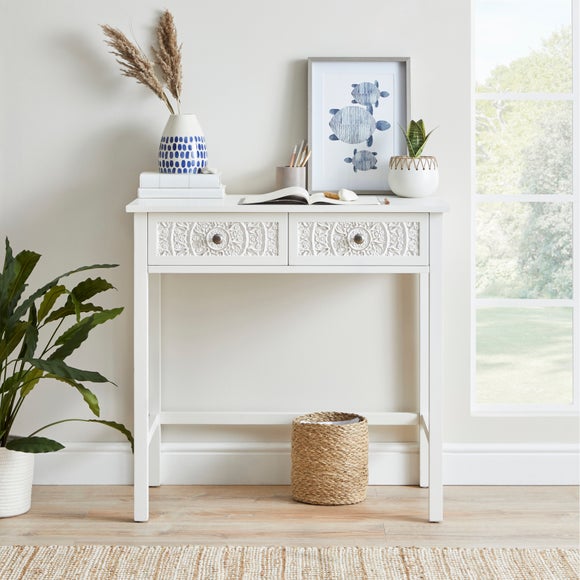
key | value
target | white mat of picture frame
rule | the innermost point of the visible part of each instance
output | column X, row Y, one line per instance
column 356, row 107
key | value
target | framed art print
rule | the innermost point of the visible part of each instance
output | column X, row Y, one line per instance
column 356, row 107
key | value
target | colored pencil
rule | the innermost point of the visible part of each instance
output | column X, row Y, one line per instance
column 306, row 158
column 293, row 157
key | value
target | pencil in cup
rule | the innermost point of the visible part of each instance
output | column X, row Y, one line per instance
column 300, row 155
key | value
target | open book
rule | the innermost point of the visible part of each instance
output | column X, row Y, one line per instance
column 299, row 195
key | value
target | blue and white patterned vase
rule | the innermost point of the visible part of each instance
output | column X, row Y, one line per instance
column 182, row 148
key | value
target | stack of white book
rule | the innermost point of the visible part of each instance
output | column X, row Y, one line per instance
column 181, row 185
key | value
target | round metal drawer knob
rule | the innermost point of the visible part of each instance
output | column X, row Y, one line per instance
column 216, row 239
column 358, row 239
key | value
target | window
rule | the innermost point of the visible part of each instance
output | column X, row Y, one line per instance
column 525, row 207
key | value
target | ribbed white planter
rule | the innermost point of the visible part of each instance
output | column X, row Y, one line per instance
column 16, row 470
column 413, row 176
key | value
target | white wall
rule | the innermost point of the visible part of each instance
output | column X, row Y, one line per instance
column 75, row 135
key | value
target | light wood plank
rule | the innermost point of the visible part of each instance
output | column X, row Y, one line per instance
column 255, row 515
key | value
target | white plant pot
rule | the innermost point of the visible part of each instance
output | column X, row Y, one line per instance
column 16, row 470
column 182, row 147
column 413, row 176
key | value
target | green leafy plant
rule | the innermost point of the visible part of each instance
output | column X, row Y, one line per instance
column 416, row 137
column 27, row 357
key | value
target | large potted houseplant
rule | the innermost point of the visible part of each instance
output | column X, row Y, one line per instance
column 414, row 174
column 38, row 332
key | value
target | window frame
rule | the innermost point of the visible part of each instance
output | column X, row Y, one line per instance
column 529, row 409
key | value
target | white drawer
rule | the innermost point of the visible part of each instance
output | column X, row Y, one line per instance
column 217, row 239
column 362, row 238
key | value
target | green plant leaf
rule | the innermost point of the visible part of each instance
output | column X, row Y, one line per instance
column 25, row 305
column 61, row 369
column 25, row 380
column 420, row 150
column 90, row 398
column 77, row 306
column 11, row 384
column 69, row 310
column 74, row 336
column 30, row 380
column 30, row 336
column 415, row 137
column 114, row 425
column 34, row 445
column 410, row 149
column 8, row 259
column 49, row 301
column 117, row 426
column 24, row 263
column 7, row 275
column 85, row 290
column 14, row 337
column 12, row 284
column 90, row 287
column 421, row 126
column 408, row 134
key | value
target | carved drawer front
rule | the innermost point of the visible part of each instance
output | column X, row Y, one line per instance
column 359, row 238
column 218, row 239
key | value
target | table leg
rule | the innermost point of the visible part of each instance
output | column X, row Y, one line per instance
column 435, row 371
column 423, row 379
column 141, row 371
column 155, row 379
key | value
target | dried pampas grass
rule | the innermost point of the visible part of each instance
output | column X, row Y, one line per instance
column 168, row 54
column 135, row 63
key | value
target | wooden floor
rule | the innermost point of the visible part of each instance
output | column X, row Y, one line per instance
column 266, row 515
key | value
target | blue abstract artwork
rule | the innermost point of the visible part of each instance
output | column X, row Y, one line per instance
column 354, row 124
column 355, row 108
column 362, row 160
column 367, row 94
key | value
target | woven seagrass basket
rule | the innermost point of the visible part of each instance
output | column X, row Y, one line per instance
column 329, row 461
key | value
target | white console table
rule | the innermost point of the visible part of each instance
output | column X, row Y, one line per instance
column 220, row 236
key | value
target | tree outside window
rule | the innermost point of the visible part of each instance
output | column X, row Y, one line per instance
column 524, row 208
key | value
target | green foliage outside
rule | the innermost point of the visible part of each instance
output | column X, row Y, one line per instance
column 524, row 250
column 548, row 69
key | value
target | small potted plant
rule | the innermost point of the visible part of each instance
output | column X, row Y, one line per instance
column 414, row 175
column 35, row 342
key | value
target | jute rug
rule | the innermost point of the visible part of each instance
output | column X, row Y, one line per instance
column 285, row 563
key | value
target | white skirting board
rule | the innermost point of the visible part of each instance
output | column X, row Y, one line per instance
column 269, row 464
column 85, row 464
column 505, row 464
